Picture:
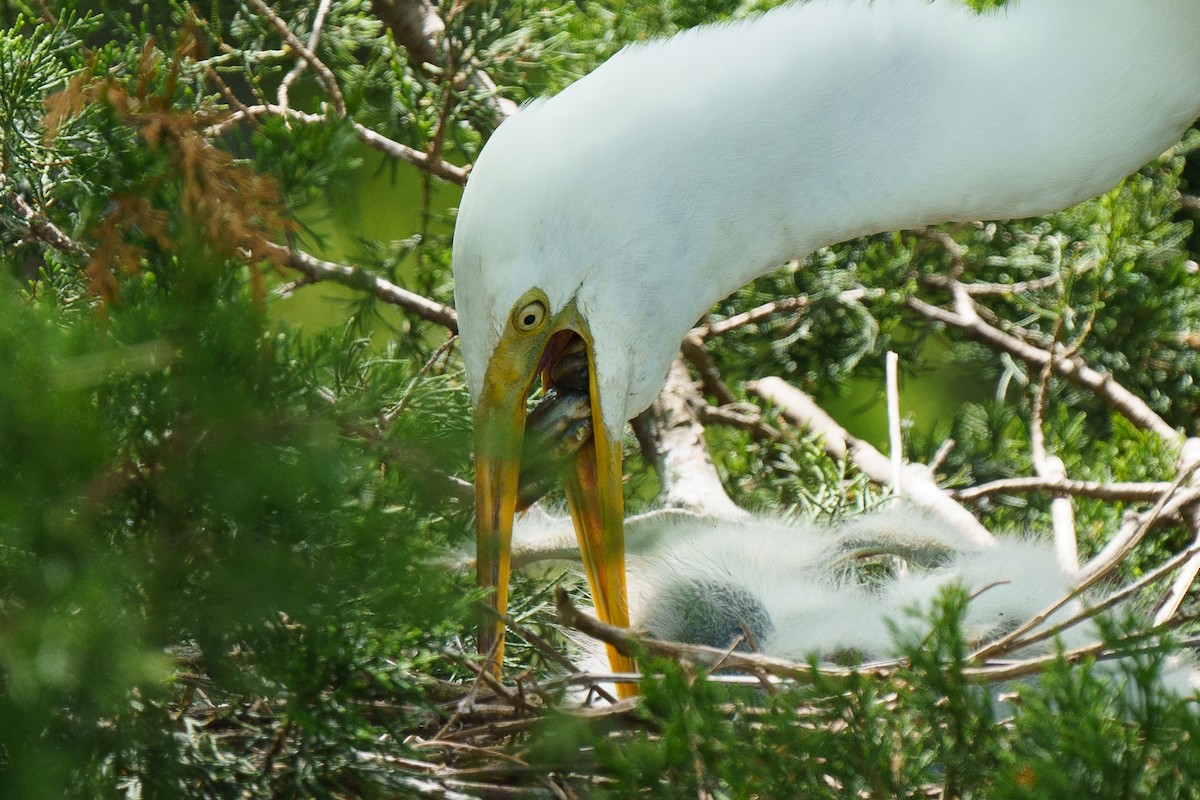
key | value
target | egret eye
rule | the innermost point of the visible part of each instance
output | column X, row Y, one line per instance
column 530, row 316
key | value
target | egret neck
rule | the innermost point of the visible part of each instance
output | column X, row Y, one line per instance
column 681, row 169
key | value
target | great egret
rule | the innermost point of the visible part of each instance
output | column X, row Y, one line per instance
column 615, row 213
column 795, row 589
column 798, row 590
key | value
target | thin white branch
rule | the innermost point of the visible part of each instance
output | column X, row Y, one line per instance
column 1134, row 530
column 436, row 166
column 297, row 70
column 800, row 409
column 895, row 440
column 1189, row 459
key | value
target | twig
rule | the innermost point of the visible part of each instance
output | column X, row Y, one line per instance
column 546, row 649
column 1129, row 492
column 895, row 442
column 1087, row 576
column 320, row 270
column 328, row 80
column 939, row 458
column 1073, row 368
column 373, row 139
column 297, row 70
column 1169, row 606
column 781, row 306
column 694, row 350
column 800, row 409
column 443, row 350
column 39, row 226
column 1133, row 532
column 418, row 27
column 743, row 416
column 629, row 643
column 1062, row 510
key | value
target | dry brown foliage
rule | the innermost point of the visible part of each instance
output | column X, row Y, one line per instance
column 237, row 212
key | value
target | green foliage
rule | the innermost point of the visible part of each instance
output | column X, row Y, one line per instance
column 925, row 729
column 223, row 536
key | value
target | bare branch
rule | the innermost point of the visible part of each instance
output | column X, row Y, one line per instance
column 328, row 80
column 895, row 438
column 1132, row 532
column 1189, row 458
column 435, row 166
column 1062, row 510
column 1072, row 368
column 1125, row 491
column 39, row 226
column 296, row 71
column 629, row 642
column 767, row 310
column 422, row 32
column 320, row 270
column 743, row 416
column 800, row 409
column 675, row 440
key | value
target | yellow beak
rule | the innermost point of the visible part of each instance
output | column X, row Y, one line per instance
column 594, row 491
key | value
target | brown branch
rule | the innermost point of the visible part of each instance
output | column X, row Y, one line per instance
column 1072, row 368
column 695, row 351
column 328, row 80
column 417, row 26
column 39, row 226
column 354, row 277
column 743, row 416
column 800, row 409
column 629, row 643
column 373, row 139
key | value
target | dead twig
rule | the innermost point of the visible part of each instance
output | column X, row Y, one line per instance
column 328, row 80
column 1071, row 368
column 800, row 409
column 355, row 277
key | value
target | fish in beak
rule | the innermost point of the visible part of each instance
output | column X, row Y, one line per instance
column 557, row 351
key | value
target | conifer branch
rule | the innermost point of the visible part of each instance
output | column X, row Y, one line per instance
column 296, row 71
column 38, row 225
column 369, row 137
column 801, row 410
column 320, row 270
column 419, row 28
column 1072, row 368
column 328, row 80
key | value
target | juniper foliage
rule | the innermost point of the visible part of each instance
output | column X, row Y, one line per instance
column 224, row 524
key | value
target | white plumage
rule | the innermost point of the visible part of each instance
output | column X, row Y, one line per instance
column 798, row 590
column 681, row 169
column 620, row 210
